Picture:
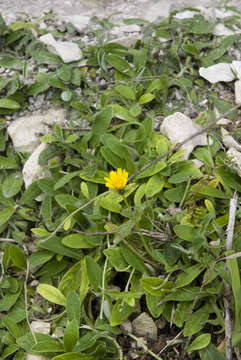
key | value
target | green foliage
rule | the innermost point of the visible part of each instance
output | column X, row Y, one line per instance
column 96, row 253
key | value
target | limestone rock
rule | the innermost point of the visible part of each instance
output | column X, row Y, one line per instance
column 144, row 326
column 41, row 327
column 178, row 127
column 236, row 66
column 80, row 22
column 229, row 141
column 156, row 10
column 222, row 30
column 217, row 72
column 236, row 157
column 67, row 50
column 186, row 14
column 26, row 130
column 237, row 90
column 126, row 326
column 32, row 170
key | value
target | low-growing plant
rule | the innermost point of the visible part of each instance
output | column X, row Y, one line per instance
column 125, row 224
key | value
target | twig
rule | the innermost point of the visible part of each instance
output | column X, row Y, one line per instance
column 170, row 342
column 237, row 353
column 2, row 267
column 140, row 342
column 26, row 294
column 178, row 146
column 8, row 240
column 227, row 288
column 70, row 216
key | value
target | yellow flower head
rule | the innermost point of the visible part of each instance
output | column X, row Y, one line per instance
column 117, row 179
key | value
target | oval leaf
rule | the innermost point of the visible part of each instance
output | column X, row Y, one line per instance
column 52, row 294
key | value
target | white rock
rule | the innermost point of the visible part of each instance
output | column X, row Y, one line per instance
column 197, row 163
column 126, row 29
column 236, row 66
column 35, row 357
column 236, row 157
column 127, row 40
column 80, row 22
column 222, row 30
column 126, row 326
column 159, row 9
column 186, row 14
column 26, row 130
column 222, row 13
column 237, row 90
column 229, row 141
column 144, row 326
column 217, row 72
column 67, row 50
column 41, row 327
column 32, row 170
column 178, row 127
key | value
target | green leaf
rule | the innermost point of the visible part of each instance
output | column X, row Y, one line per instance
column 12, row 185
column 9, row 104
column 73, row 356
column 76, row 241
column 47, row 346
column 87, row 341
column 47, row 186
column 132, row 259
column 54, row 244
column 30, row 193
column 186, row 232
column 94, row 272
column 66, row 95
column 200, row 342
column 12, row 327
column 40, row 85
column 10, row 62
column 64, row 72
column 154, row 306
column 116, row 259
column 71, row 335
column 5, row 215
column 152, row 170
column 197, row 321
column 73, row 306
column 145, row 98
column 126, row 91
column 156, row 286
column 7, row 163
column 111, row 202
column 11, row 349
column 211, row 353
column 175, row 194
column 17, row 256
column 51, row 294
column 188, row 275
column 55, row 82
column 154, row 185
column 46, row 57
column 120, row 64
column 185, row 172
column 102, row 121
column 208, row 190
column 111, row 158
column 122, row 113
column 229, row 178
column 65, row 179
column 120, row 312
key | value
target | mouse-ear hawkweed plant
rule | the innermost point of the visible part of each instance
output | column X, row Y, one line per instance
column 117, row 179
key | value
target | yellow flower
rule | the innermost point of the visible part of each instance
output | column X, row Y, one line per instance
column 117, row 179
